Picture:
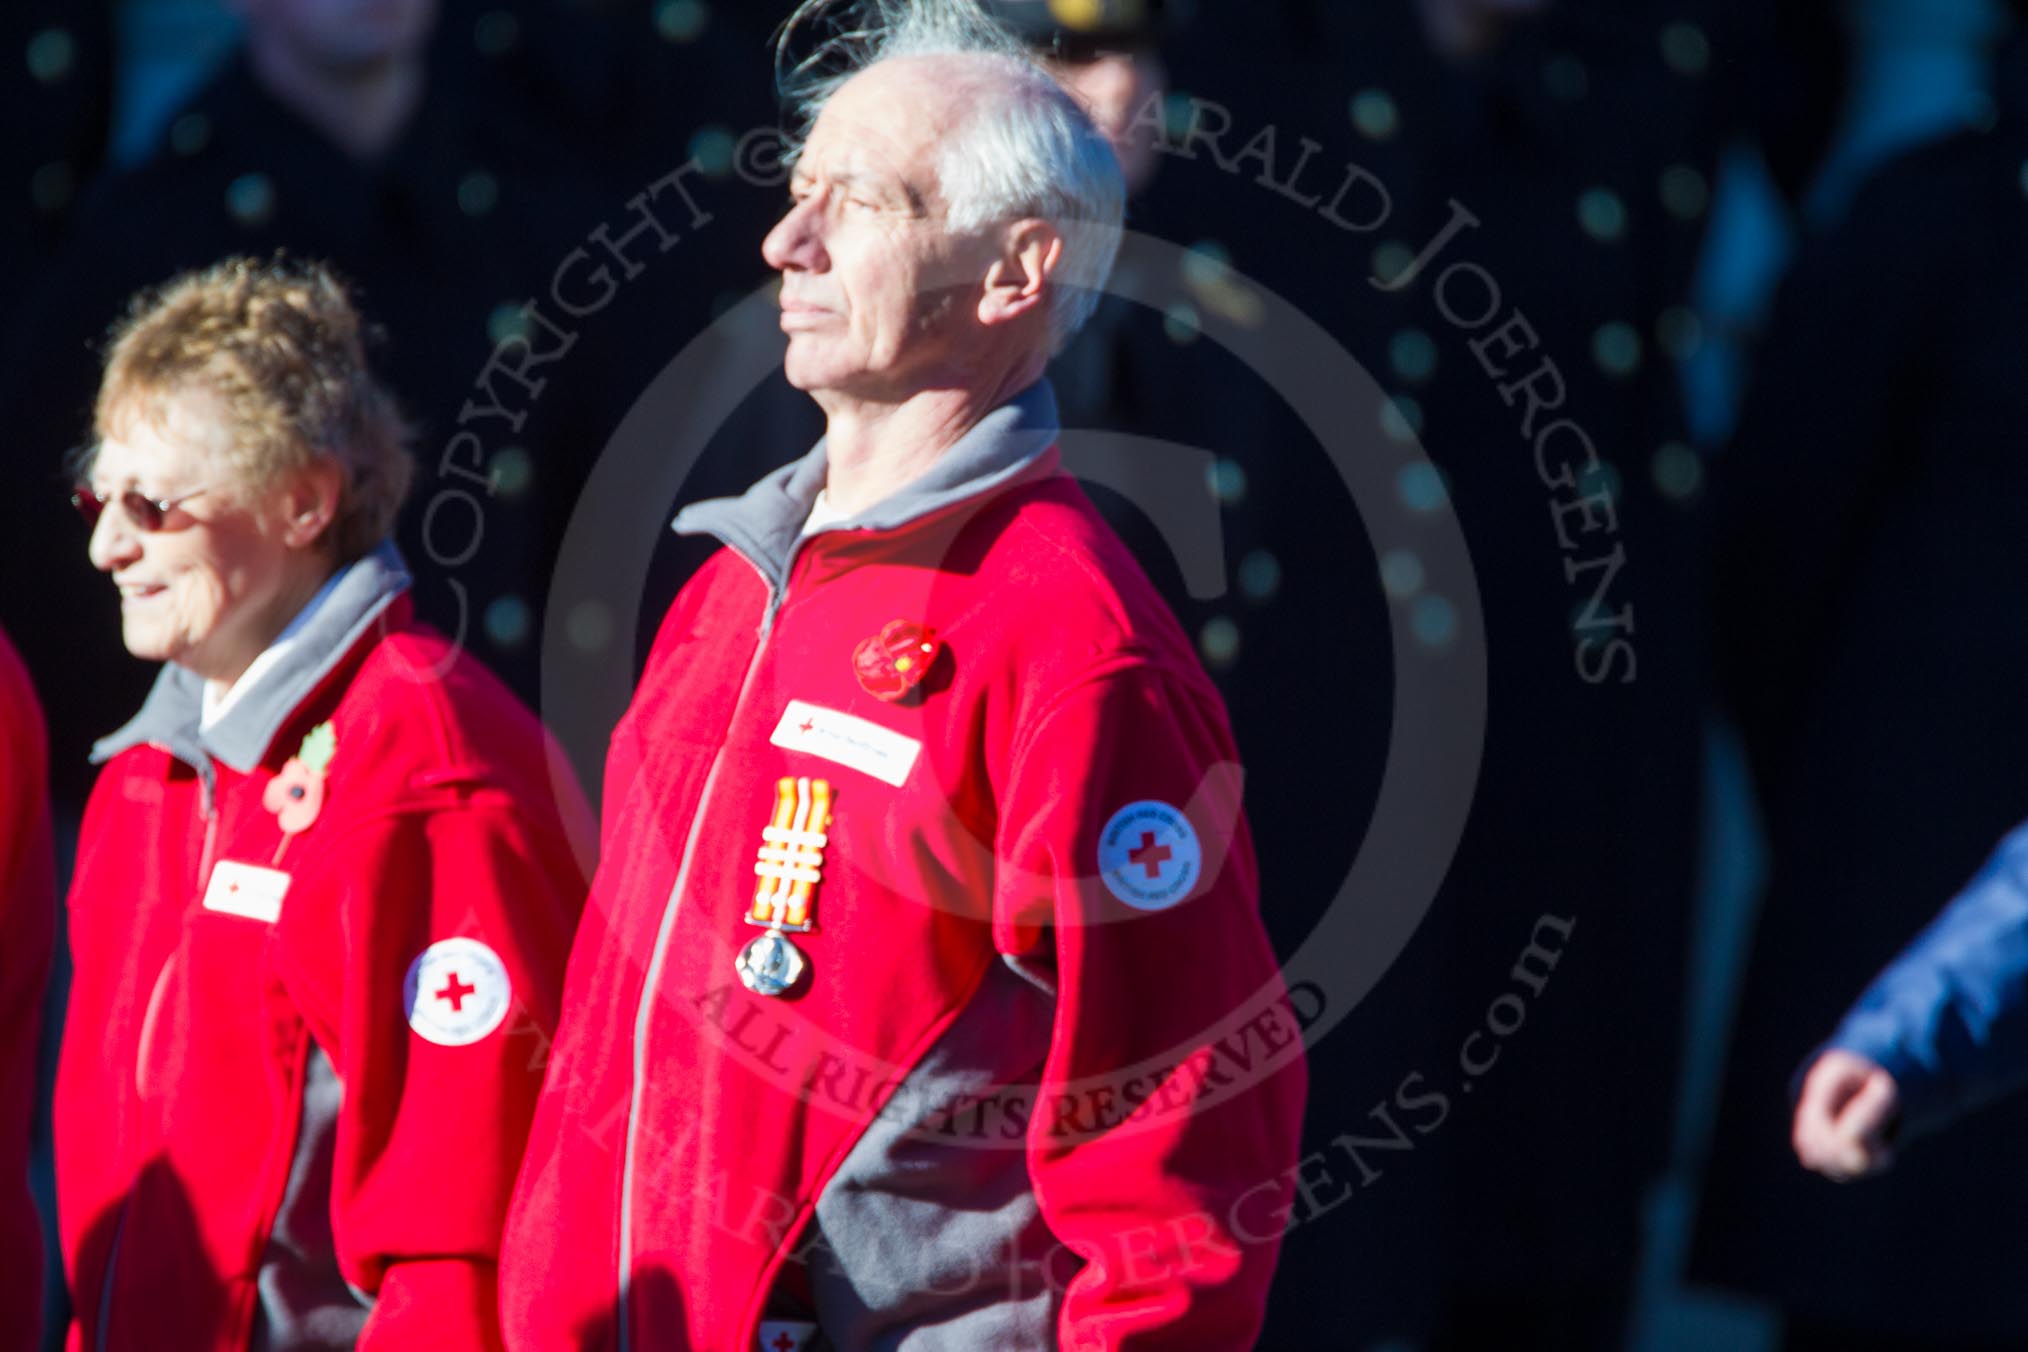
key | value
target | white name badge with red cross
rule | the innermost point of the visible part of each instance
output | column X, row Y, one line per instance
column 246, row 890
column 847, row 740
column 457, row 992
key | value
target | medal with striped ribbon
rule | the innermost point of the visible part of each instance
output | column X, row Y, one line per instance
column 790, row 866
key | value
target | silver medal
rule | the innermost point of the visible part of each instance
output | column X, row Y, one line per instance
column 770, row 964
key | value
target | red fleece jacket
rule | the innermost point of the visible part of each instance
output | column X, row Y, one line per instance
column 1059, row 789
column 440, row 837
column 27, row 933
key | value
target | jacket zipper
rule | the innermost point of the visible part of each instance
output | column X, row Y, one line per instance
column 645, row 1008
column 210, row 846
column 207, row 808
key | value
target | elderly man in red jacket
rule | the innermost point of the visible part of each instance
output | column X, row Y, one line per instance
column 27, row 931
column 922, row 1000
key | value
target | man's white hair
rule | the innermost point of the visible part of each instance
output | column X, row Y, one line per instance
column 1022, row 146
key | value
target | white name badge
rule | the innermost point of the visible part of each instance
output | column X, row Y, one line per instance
column 244, row 889
column 845, row 740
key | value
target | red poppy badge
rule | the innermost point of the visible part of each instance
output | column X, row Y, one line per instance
column 894, row 661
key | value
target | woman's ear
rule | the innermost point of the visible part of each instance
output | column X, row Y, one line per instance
column 1018, row 280
column 310, row 502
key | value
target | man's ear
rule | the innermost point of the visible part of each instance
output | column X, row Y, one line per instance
column 310, row 503
column 1018, row 280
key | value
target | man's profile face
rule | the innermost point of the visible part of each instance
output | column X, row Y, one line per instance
column 877, row 296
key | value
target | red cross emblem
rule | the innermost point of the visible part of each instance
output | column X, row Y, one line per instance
column 783, row 1343
column 1149, row 855
column 454, row 992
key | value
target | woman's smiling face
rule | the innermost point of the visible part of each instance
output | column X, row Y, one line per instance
column 200, row 590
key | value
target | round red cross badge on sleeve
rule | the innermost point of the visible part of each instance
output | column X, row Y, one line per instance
column 456, row 992
column 1149, row 856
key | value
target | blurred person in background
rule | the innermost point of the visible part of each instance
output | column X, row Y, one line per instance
column 27, row 935
column 327, row 879
column 1107, row 56
column 1466, row 30
column 1871, row 514
column 1583, row 138
column 1941, row 1030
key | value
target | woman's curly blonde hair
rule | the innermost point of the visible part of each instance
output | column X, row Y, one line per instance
column 280, row 344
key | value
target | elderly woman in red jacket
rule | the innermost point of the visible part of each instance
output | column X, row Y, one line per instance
column 326, row 882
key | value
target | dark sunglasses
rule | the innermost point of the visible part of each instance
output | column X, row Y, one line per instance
column 148, row 514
